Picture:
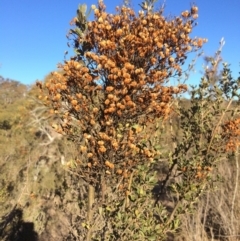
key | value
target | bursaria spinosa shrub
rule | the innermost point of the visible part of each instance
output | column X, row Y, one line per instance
column 109, row 94
column 118, row 79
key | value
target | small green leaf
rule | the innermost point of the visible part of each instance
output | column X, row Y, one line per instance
column 152, row 238
column 140, row 191
column 100, row 210
column 83, row 8
column 152, row 179
column 119, row 215
column 108, row 209
column 136, row 213
column 135, row 126
column 132, row 198
column 85, row 225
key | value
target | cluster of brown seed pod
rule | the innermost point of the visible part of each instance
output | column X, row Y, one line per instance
column 121, row 78
column 231, row 132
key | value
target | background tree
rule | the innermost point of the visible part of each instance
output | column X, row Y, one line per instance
column 11, row 90
column 212, row 65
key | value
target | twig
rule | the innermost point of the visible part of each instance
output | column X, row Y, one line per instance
column 91, row 198
column 236, row 186
column 126, row 201
column 205, row 212
column 25, row 185
column 215, row 129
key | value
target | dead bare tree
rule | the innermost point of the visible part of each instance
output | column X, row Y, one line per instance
column 40, row 120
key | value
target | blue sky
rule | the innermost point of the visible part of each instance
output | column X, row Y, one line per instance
column 33, row 33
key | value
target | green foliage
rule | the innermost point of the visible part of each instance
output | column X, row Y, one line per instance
column 148, row 5
column 80, row 22
column 202, row 143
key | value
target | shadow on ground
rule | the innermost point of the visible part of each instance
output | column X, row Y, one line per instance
column 13, row 227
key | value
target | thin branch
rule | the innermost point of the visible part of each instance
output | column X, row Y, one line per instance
column 236, row 186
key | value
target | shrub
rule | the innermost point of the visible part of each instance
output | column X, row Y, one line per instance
column 112, row 98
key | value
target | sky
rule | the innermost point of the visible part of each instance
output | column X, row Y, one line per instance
column 33, row 33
